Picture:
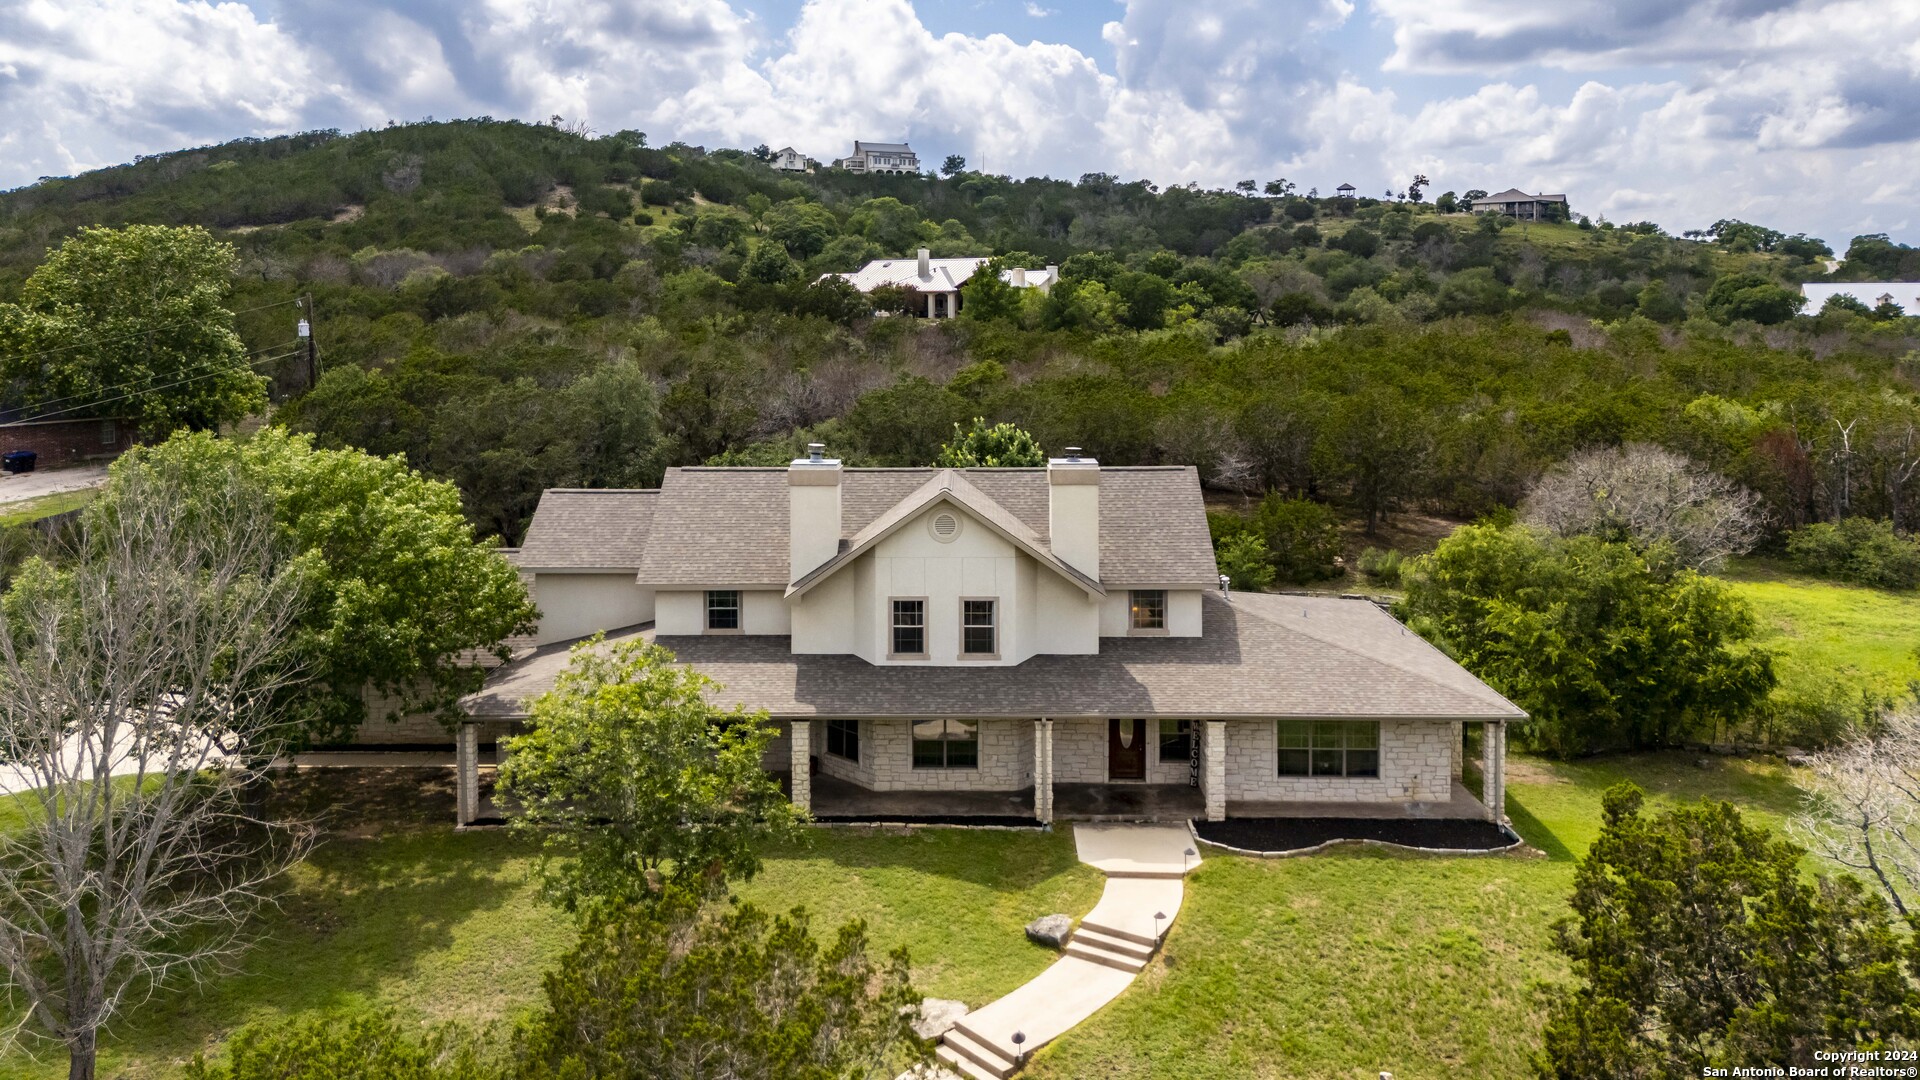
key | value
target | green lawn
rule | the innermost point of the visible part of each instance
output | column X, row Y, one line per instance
column 1826, row 631
column 1336, row 965
column 397, row 911
column 1352, row 963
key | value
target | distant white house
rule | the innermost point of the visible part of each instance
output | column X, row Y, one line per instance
column 787, row 159
column 934, row 284
column 1902, row 294
column 880, row 157
column 1519, row 205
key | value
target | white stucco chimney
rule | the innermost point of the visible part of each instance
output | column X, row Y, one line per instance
column 1019, row 278
column 813, row 511
column 1053, row 275
column 926, row 264
column 1073, row 511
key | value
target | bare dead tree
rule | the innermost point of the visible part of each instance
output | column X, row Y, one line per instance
column 139, row 683
column 1647, row 494
column 1864, row 808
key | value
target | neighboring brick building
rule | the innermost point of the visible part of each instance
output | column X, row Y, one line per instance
column 67, row 442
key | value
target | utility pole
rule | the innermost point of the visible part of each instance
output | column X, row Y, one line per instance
column 306, row 334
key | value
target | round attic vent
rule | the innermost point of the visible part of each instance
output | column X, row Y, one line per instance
column 944, row 527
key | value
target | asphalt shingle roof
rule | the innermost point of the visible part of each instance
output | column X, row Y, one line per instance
column 1260, row 656
column 589, row 528
column 728, row 526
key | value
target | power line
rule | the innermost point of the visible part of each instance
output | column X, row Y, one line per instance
column 147, row 389
column 146, row 331
column 150, row 378
column 163, row 386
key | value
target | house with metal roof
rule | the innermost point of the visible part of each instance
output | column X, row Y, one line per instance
column 880, row 157
column 995, row 643
column 933, row 285
column 1521, row 206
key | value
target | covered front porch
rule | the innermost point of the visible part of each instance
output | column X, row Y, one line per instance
column 1414, row 771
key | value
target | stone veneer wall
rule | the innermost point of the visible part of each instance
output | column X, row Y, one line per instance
column 1006, row 758
column 1416, row 765
column 1080, row 753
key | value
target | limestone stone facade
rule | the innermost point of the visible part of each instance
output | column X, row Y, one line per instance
column 1417, row 760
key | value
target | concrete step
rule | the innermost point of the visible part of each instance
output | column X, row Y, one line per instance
column 1156, row 875
column 1097, row 955
column 965, row 1066
column 1144, row 940
column 1111, row 942
column 978, row 1052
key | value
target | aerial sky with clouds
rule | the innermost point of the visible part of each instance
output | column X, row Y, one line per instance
column 1799, row 114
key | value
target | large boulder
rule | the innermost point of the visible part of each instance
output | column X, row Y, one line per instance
column 937, row 1015
column 1050, row 930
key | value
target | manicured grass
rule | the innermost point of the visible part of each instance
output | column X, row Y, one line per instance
column 1827, row 631
column 1351, row 963
column 407, row 915
column 958, row 899
column 19, row 513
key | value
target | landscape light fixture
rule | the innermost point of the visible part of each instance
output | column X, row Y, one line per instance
column 1019, row 1039
column 1158, row 918
column 1185, row 857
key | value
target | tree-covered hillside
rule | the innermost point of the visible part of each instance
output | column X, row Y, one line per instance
column 518, row 306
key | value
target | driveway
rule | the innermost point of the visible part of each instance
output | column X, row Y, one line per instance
column 19, row 487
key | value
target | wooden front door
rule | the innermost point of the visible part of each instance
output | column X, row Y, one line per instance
column 1126, row 749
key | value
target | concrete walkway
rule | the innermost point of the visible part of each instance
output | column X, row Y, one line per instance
column 1144, row 865
column 19, row 487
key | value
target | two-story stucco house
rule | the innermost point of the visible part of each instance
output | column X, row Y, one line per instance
column 1033, row 642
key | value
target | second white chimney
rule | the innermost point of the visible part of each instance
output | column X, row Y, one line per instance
column 1019, row 278
column 1073, row 511
column 926, row 264
column 813, row 511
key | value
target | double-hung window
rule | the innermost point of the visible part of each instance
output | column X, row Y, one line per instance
column 946, row 744
column 843, row 739
column 1329, row 748
column 723, row 609
column 979, row 628
column 1147, row 611
column 909, row 630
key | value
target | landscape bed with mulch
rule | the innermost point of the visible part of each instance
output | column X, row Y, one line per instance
column 1295, row 834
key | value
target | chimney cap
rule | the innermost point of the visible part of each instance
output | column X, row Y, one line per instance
column 1073, row 453
column 816, row 451
column 816, row 459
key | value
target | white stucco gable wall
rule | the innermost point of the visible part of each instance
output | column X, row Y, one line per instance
column 574, row 605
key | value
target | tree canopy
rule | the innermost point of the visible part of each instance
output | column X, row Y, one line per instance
column 397, row 594
column 1604, row 645
column 133, row 322
column 631, row 777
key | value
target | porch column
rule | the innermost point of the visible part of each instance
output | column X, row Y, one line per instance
column 1043, row 770
column 1213, row 769
column 466, row 767
column 1493, row 770
column 801, row 753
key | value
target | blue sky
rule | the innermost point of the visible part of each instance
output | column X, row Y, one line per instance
column 1800, row 114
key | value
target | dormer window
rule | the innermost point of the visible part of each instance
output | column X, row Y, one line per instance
column 1147, row 611
column 723, row 610
column 979, row 629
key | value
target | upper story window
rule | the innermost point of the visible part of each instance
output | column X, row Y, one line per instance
column 1147, row 610
column 1329, row 748
column 909, row 629
column 723, row 609
column 979, row 628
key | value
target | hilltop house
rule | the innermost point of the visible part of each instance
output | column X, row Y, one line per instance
column 1521, row 206
column 998, row 643
column 787, row 159
column 934, row 284
column 879, row 157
